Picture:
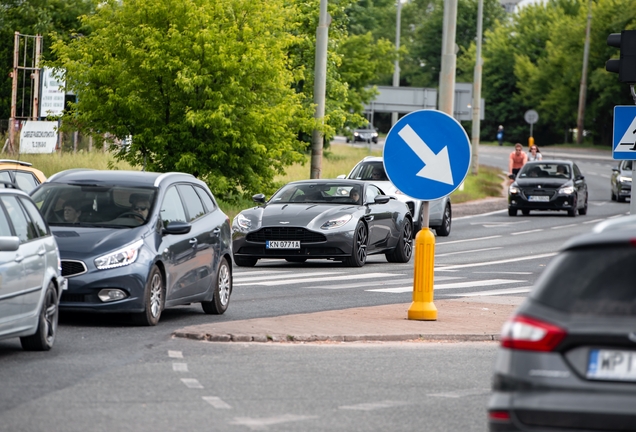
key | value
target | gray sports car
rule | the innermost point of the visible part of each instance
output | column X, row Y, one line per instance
column 342, row 220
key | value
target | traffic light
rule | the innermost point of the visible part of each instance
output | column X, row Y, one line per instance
column 626, row 66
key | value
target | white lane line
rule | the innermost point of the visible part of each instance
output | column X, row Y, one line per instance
column 592, row 173
column 617, row 216
column 260, row 272
column 500, row 224
column 504, row 272
column 216, row 402
column 455, row 285
column 192, row 383
column 263, row 423
column 494, row 292
column 371, row 406
column 468, row 251
column 564, row 226
column 180, row 367
column 527, row 232
column 468, row 240
column 240, row 279
column 461, row 393
column 480, row 215
column 384, row 282
column 175, row 354
column 326, row 279
column 593, row 221
column 487, row 263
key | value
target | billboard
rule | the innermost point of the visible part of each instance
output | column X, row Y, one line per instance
column 52, row 94
column 38, row 137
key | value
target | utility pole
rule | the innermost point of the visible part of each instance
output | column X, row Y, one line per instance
column 320, row 86
column 449, row 59
column 396, row 70
column 583, row 87
column 477, row 91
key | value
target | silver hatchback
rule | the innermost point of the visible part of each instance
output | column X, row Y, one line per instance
column 30, row 275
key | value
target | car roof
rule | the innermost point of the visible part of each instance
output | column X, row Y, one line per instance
column 10, row 164
column 614, row 231
column 551, row 162
column 326, row 181
column 109, row 177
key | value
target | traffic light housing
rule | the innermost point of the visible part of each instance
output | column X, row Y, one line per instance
column 626, row 66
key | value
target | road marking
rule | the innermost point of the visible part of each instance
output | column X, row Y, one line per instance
column 487, row 263
column 461, row 393
column 499, row 224
column 455, row 285
column 175, row 354
column 468, row 251
column 192, row 383
column 259, row 272
column 371, row 406
column 387, row 282
column 481, row 214
column 527, row 232
column 468, row 240
column 180, row 367
column 242, row 279
column 326, row 279
column 593, row 221
column 504, row 272
column 565, row 226
column 495, row 292
column 263, row 423
column 216, row 402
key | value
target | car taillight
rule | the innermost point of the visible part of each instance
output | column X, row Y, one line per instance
column 500, row 416
column 525, row 333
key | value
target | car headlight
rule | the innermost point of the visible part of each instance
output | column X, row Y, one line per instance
column 335, row 223
column 624, row 179
column 513, row 189
column 375, row 134
column 119, row 258
column 242, row 221
column 567, row 190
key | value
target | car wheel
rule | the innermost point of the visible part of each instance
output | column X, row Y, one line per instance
column 245, row 261
column 445, row 228
column 583, row 210
column 404, row 248
column 296, row 260
column 525, row 212
column 620, row 198
column 44, row 336
column 360, row 238
column 154, row 299
column 512, row 212
column 222, row 290
column 572, row 212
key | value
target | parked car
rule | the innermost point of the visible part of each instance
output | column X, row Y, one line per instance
column 371, row 169
column 31, row 282
column 138, row 242
column 555, row 185
column 341, row 220
column 20, row 173
column 367, row 134
column 567, row 360
column 621, row 181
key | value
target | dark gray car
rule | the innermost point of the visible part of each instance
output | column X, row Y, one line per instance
column 567, row 360
column 621, row 181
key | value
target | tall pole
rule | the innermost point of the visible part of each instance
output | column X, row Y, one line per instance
column 396, row 70
column 36, row 78
column 583, row 87
column 14, row 90
column 320, row 86
column 449, row 59
column 477, row 91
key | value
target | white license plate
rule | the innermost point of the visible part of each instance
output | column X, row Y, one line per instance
column 612, row 365
column 282, row 244
column 540, row 198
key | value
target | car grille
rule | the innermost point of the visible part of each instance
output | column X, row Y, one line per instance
column 285, row 233
column 537, row 191
column 73, row 268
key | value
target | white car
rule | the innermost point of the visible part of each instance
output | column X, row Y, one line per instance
column 371, row 169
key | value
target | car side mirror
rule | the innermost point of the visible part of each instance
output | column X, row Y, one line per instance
column 615, row 169
column 258, row 198
column 342, row 176
column 177, row 227
column 382, row 199
column 9, row 244
column 581, row 177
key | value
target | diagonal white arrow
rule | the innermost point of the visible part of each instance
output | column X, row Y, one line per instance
column 437, row 166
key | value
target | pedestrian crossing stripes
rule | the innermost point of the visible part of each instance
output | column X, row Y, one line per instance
column 467, row 284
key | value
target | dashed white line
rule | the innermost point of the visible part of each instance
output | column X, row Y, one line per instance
column 180, row 367
column 455, row 285
column 468, row 251
column 175, row 354
column 467, row 240
column 461, row 393
column 192, row 383
column 564, row 226
column 527, row 232
column 371, row 406
column 495, row 292
column 263, row 423
column 216, row 402
column 487, row 263
column 593, row 221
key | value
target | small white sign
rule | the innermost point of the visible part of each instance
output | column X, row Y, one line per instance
column 52, row 96
column 531, row 117
column 38, row 137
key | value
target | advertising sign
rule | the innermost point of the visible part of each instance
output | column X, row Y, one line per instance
column 38, row 137
column 52, row 95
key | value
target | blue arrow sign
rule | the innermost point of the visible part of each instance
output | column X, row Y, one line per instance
column 427, row 154
column 624, row 141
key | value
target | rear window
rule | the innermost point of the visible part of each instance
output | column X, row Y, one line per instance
column 598, row 281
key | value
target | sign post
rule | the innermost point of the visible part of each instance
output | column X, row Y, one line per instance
column 624, row 140
column 426, row 156
column 531, row 117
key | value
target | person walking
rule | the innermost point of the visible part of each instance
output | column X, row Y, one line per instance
column 500, row 135
column 517, row 160
column 535, row 154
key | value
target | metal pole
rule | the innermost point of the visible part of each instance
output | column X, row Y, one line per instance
column 396, row 69
column 36, row 78
column 14, row 90
column 477, row 91
column 583, row 86
column 320, row 85
column 449, row 59
column 632, row 201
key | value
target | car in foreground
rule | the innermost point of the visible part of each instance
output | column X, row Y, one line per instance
column 138, row 242
column 567, row 356
column 20, row 173
column 621, row 181
column 324, row 219
column 555, row 185
column 367, row 134
column 371, row 169
column 31, row 282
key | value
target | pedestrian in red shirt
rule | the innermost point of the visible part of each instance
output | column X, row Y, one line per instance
column 517, row 159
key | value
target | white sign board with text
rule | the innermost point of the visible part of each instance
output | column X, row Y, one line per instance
column 38, row 137
column 52, row 96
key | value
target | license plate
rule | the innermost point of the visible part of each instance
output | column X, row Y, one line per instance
column 540, row 198
column 282, row 244
column 612, row 365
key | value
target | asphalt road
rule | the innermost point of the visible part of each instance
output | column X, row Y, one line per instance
column 104, row 374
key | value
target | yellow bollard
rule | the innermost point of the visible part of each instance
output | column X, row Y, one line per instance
column 530, row 142
column 422, row 307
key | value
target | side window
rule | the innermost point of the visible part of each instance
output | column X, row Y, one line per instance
column 172, row 208
column 36, row 217
column 627, row 165
column 22, row 226
column 192, row 201
column 5, row 177
column 25, row 181
column 577, row 172
column 5, row 229
column 371, row 193
column 205, row 197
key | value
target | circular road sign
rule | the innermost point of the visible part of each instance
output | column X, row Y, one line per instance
column 531, row 117
column 427, row 154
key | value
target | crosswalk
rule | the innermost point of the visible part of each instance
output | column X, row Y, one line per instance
column 381, row 282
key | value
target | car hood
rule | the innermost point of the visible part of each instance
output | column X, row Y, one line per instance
column 308, row 215
column 551, row 183
column 365, row 131
column 80, row 243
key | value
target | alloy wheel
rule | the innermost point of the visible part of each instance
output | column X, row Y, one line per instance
column 224, row 285
column 156, row 288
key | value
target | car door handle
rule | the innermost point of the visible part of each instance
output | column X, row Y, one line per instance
column 193, row 242
column 18, row 258
column 41, row 251
column 216, row 231
column 368, row 218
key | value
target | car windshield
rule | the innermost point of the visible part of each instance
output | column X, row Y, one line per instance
column 337, row 193
column 111, row 206
column 369, row 171
column 546, row 170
